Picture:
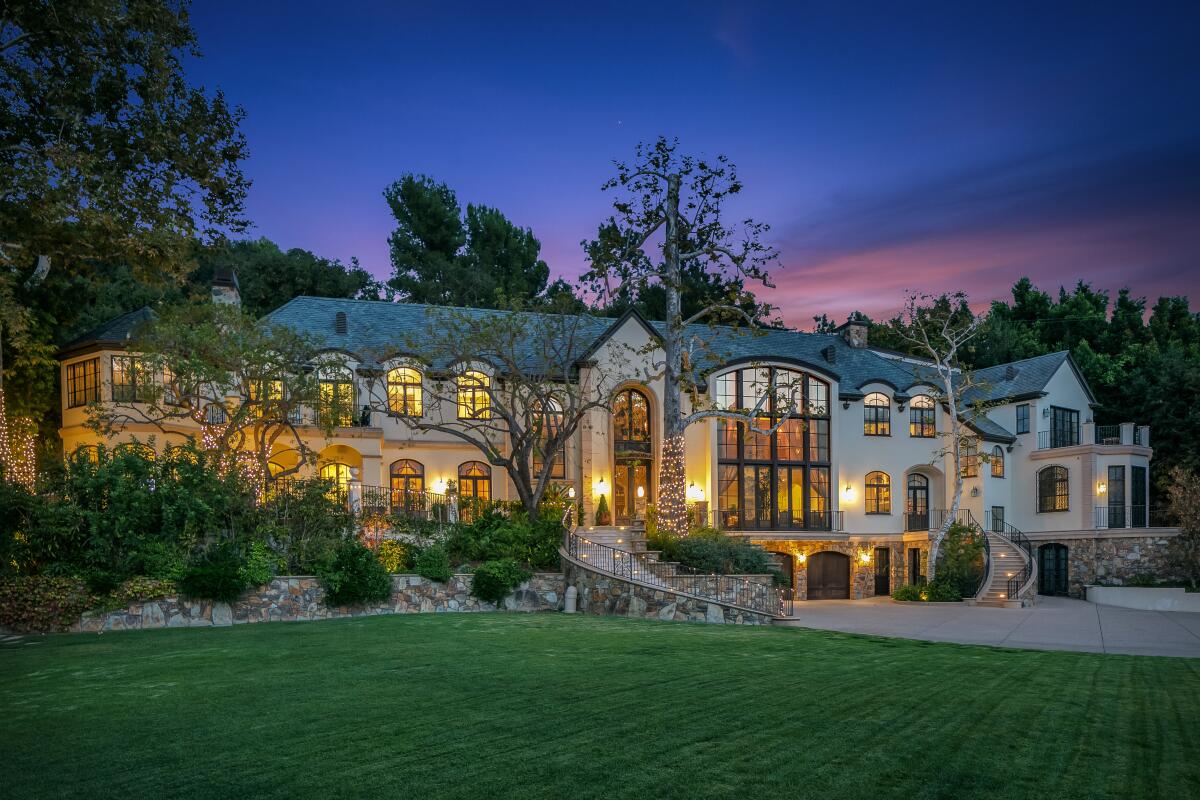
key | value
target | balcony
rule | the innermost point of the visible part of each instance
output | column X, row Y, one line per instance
column 781, row 521
column 1127, row 434
column 1116, row 517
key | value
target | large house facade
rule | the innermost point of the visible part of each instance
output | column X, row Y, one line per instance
column 845, row 491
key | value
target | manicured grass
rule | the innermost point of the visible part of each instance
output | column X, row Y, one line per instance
column 532, row 706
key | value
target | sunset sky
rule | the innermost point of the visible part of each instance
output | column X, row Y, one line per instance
column 890, row 147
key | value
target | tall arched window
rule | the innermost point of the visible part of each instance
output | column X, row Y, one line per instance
column 774, row 481
column 404, row 391
column 408, row 481
column 631, row 419
column 970, row 458
column 877, row 415
column 473, row 399
column 474, row 488
column 338, row 474
column 335, row 396
column 916, row 506
column 997, row 462
column 1053, row 490
column 548, row 425
column 878, row 493
column 922, row 417
column 632, row 455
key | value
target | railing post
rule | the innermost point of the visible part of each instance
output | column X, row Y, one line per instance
column 1126, row 433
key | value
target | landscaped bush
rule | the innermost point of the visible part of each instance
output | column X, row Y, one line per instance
column 42, row 603
column 305, row 524
column 355, row 577
column 215, row 575
column 936, row 592
column 135, row 590
column 960, row 560
column 908, row 593
column 495, row 580
column 710, row 550
column 433, row 563
column 495, row 535
column 259, row 565
column 393, row 555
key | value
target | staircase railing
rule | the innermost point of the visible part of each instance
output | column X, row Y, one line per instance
column 641, row 568
column 1018, row 583
column 937, row 518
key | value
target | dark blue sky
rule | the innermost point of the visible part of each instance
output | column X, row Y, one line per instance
column 935, row 147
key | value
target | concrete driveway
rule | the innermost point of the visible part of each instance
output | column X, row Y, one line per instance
column 1056, row 623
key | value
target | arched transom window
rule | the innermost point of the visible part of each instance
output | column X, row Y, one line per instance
column 408, row 481
column 404, row 391
column 474, row 402
column 877, row 415
column 631, row 421
column 878, row 493
column 922, row 417
column 997, row 462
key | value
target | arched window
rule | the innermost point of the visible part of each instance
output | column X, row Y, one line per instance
column 474, row 489
column 633, row 486
column 339, row 475
column 473, row 399
column 922, row 417
column 631, row 419
column 1053, row 490
column 404, row 391
column 408, row 481
column 916, row 506
column 547, row 425
column 87, row 452
column 997, row 462
column 877, row 415
column 336, row 397
column 878, row 493
column 970, row 458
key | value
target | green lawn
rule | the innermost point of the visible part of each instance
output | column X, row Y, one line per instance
column 531, row 706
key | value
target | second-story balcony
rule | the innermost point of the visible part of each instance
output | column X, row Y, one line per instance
column 1126, row 434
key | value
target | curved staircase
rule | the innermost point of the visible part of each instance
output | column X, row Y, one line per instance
column 1011, row 580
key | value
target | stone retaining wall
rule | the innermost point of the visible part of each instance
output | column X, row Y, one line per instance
column 296, row 598
column 604, row 595
column 862, row 573
column 1111, row 559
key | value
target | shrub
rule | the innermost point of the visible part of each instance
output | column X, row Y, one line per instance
column 602, row 515
column 495, row 580
column 355, row 577
column 393, row 555
column 259, row 566
column 494, row 535
column 135, row 590
column 216, row 575
column 710, row 550
column 936, row 592
column 39, row 603
column 960, row 560
column 434, row 563
column 909, row 592
column 306, row 524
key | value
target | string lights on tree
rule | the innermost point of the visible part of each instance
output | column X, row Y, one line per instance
column 672, row 501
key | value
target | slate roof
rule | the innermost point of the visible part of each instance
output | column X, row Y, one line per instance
column 1018, row 378
column 114, row 333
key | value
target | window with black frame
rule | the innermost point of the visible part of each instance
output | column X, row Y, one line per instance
column 779, row 480
column 922, row 417
column 1116, row 496
column 1053, row 490
column 877, row 415
column 83, row 382
column 1064, row 427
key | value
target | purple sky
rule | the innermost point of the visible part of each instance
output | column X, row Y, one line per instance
column 890, row 147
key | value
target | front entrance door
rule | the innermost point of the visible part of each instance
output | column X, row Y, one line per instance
column 828, row 576
column 917, row 507
column 1052, row 569
column 628, row 478
column 883, row 571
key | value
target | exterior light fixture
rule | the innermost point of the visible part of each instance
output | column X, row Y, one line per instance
column 571, row 492
column 865, row 556
column 439, row 486
column 694, row 493
column 601, row 487
column 801, row 558
column 1101, row 487
column 641, row 492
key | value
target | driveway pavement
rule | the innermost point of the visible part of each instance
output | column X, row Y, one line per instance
column 1055, row 623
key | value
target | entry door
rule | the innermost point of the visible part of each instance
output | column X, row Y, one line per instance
column 1052, row 569
column 828, row 576
column 917, row 507
column 883, row 571
column 628, row 477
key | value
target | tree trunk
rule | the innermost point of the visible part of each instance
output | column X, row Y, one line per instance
column 672, row 486
column 956, row 451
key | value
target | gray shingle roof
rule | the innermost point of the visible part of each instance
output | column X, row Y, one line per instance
column 117, row 331
column 990, row 430
column 1015, row 379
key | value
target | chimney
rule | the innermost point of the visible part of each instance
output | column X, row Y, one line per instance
column 854, row 330
column 225, row 287
column 1010, row 372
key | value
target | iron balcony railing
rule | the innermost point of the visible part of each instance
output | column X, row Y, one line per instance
column 1108, row 434
column 1058, row 437
column 764, row 520
column 916, row 521
column 730, row 590
column 1121, row 516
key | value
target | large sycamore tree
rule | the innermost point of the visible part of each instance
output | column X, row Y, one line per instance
column 669, row 220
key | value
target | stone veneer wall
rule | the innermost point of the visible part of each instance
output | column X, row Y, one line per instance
column 295, row 598
column 862, row 575
column 604, row 595
column 1111, row 559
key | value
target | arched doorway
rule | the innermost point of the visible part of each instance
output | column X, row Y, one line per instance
column 474, row 488
column 632, row 455
column 408, row 483
column 1052, row 569
column 916, row 507
column 828, row 576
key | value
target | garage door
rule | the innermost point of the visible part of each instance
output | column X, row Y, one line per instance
column 828, row 576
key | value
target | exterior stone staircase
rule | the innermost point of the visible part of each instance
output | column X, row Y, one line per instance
column 1011, row 571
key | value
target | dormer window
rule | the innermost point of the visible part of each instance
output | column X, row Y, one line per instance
column 877, row 415
column 404, row 391
column 474, row 402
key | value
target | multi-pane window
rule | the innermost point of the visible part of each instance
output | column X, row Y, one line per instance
column 1116, row 495
column 1064, row 427
column 1053, row 490
column 777, row 480
column 335, row 395
column 83, row 382
column 129, row 379
column 266, row 397
column 1023, row 418
column 877, row 415
column 547, row 426
column 970, row 458
column 997, row 462
column 408, row 482
column 474, row 402
column 922, row 417
column 878, row 494
column 404, row 391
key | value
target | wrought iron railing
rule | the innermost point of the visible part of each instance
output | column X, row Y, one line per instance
column 1122, row 516
column 730, row 590
column 1058, row 437
column 1108, row 434
column 765, row 520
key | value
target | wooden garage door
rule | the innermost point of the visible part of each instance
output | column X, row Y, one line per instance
column 828, row 576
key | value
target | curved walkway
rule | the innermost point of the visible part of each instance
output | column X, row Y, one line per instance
column 1056, row 623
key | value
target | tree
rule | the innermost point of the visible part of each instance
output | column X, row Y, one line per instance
column 213, row 375
column 440, row 257
column 940, row 333
column 509, row 384
column 1183, row 551
column 673, row 204
column 268, row 276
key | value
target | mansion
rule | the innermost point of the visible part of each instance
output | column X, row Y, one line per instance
column 845, row 491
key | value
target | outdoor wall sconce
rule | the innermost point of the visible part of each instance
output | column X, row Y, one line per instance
column 1101, row 487
column 974, row 491
column 845, row 404
column 694, row 493
column 641, row 492
column 571, row 492
column 847, row 492
column 439, row 486
column 865, row 556
column 801, row 558
column 601, row 487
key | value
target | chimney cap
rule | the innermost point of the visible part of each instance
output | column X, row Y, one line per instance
column 225, row 276
column 854, row 329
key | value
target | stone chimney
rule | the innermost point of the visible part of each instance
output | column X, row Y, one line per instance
column 854, row 330
column 225, row 287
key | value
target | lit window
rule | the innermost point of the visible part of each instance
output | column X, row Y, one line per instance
column 408, row 482
column 997, row 462
column 339, row 475
column 1054, row 490
column 970, row 458
column 83, row 382
column 335, row 395
column 404, row 391
column 473, row 399
column 922, row 417
column 266, row 398
column 878, row 493
column 128, row 379
column 547, row 426
column 877, row 415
